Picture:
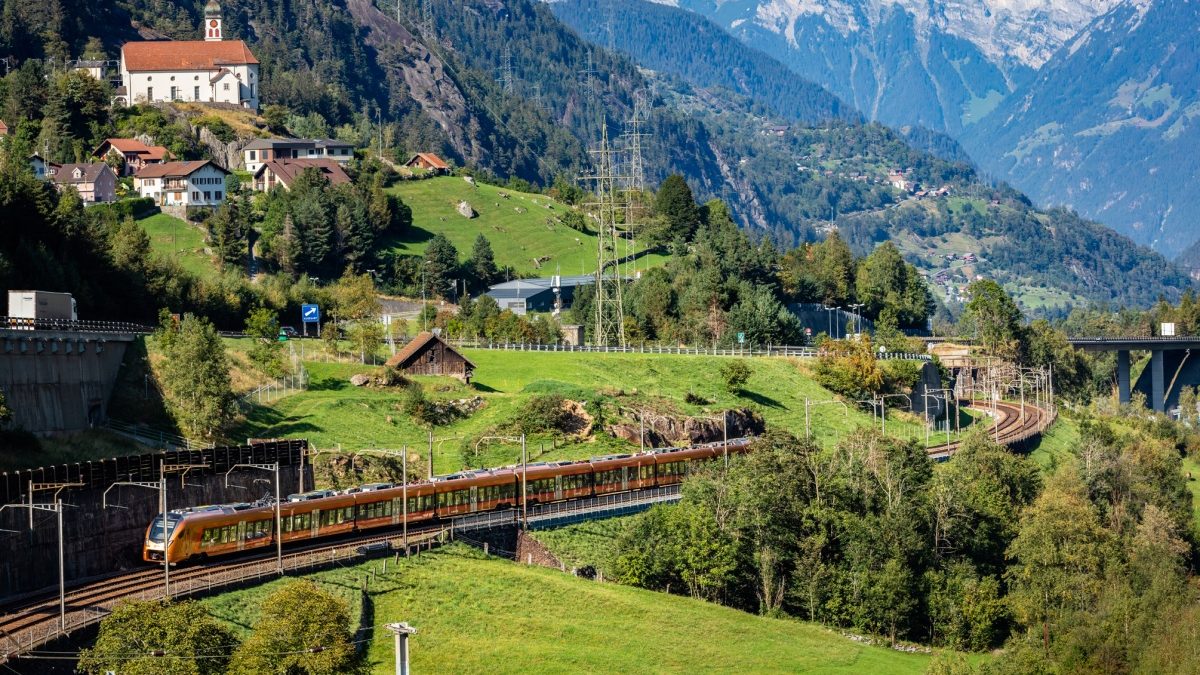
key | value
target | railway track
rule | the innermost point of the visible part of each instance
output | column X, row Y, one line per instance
column 35, row 623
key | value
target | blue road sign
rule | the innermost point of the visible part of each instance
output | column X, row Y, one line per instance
column 310, row 313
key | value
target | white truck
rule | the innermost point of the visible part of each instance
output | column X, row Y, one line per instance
column 36, row 305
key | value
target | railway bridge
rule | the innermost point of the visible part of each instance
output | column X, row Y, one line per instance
column 1171, row 367
column 34, row 621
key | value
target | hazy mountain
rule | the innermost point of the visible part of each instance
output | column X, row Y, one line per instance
column 942, row 64
column 1111, row 124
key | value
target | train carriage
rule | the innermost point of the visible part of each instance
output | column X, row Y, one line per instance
column 476, row 491
column 621, row 473
column 556, row 481
column 672, row 466
column 385, row 506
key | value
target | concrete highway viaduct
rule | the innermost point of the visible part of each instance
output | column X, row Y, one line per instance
column 1171, row 367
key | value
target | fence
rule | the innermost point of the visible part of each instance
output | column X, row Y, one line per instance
column 273, row 391
column 17, row 323
column 155, row 438
column 99, row 474
column 768, row 350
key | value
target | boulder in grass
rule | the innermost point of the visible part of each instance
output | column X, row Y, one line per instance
column 360, row 380
column 465, row 210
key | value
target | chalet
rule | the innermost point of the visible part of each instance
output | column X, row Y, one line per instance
column 901, row 182
column 284, row 171
column 212, row 70
column 429, row 162
column 95, row 182
column 429, row 354
column 263, row 150
column 135, row 155
column 199, row 183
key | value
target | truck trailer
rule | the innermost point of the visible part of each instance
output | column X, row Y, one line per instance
column 36, row 305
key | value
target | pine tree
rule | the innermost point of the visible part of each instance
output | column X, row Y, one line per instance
column 676, row 203
column 482, row 265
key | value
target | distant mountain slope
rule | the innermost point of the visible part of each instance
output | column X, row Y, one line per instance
column 942, row 64
column 656, row 36
column 1111, row 125
column 811, row 178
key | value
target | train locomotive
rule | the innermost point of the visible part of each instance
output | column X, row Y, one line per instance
column 200, row 533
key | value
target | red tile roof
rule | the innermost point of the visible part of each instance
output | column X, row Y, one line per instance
column 431, row 159
column 286, row 170
column 404, row 356
column 174, row 169
column 185, row 55
column 130, row 146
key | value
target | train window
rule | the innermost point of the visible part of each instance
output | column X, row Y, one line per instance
column 210, row 536
column 646, row 471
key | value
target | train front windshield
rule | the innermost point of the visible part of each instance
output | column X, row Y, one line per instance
column 156, row 529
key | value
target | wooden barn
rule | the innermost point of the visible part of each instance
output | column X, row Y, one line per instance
column 428, row 354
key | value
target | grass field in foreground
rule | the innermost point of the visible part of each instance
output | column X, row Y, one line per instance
column 476, row 614
column 333, row 412
column 171, row 237
column 517, row 237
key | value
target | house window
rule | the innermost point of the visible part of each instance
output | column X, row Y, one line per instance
column 174, row 93
column 207, row 196
column 149, row 93
column 253, row 155
column 218, row 196
column 225, row 86
column 196, row 93
column 195, row 196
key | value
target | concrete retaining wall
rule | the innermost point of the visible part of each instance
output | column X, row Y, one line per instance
column 58, row 382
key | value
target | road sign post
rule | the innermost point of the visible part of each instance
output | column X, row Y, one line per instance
column 310, row 314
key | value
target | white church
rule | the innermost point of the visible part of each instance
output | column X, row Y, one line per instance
column 212, row 70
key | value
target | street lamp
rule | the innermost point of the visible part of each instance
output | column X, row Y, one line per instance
column 857, row 316
column 278, row 520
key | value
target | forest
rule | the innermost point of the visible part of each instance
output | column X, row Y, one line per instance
column 1085, row 569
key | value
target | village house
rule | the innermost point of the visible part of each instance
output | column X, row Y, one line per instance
column 284, row 171
column 263, row 150
column 213, row 70
column 901, row 182
column 429, row 354
column 41, row 168
column 134, row 154
column 429, row 162
column 95, row 182
column 199, row 183
column 3, row 128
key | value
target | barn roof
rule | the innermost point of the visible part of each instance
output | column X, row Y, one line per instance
column 405, row 356
column 431, row 159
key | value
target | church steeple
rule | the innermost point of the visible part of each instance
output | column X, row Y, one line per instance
column 212, row 21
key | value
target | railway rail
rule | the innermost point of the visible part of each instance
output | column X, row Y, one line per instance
column 35, row 623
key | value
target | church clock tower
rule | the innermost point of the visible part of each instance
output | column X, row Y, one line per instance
column 212, row 22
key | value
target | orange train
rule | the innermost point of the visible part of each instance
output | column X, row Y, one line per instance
column 210, row 531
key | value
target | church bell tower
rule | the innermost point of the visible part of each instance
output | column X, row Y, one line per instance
column 212, row 22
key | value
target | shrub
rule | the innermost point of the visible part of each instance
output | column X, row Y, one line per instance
column 735, row 375
column 544, row 412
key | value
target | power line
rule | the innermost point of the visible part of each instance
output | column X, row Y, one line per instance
column 610, row 310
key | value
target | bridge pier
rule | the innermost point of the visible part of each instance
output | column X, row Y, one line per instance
column 1123, row 376
column 1157, row 390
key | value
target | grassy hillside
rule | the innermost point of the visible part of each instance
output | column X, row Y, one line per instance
column 478, row 614
column 333, row 412
column 521, row 228
column 171, row 237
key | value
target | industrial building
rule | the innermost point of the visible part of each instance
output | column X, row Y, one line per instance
column 538, row 295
